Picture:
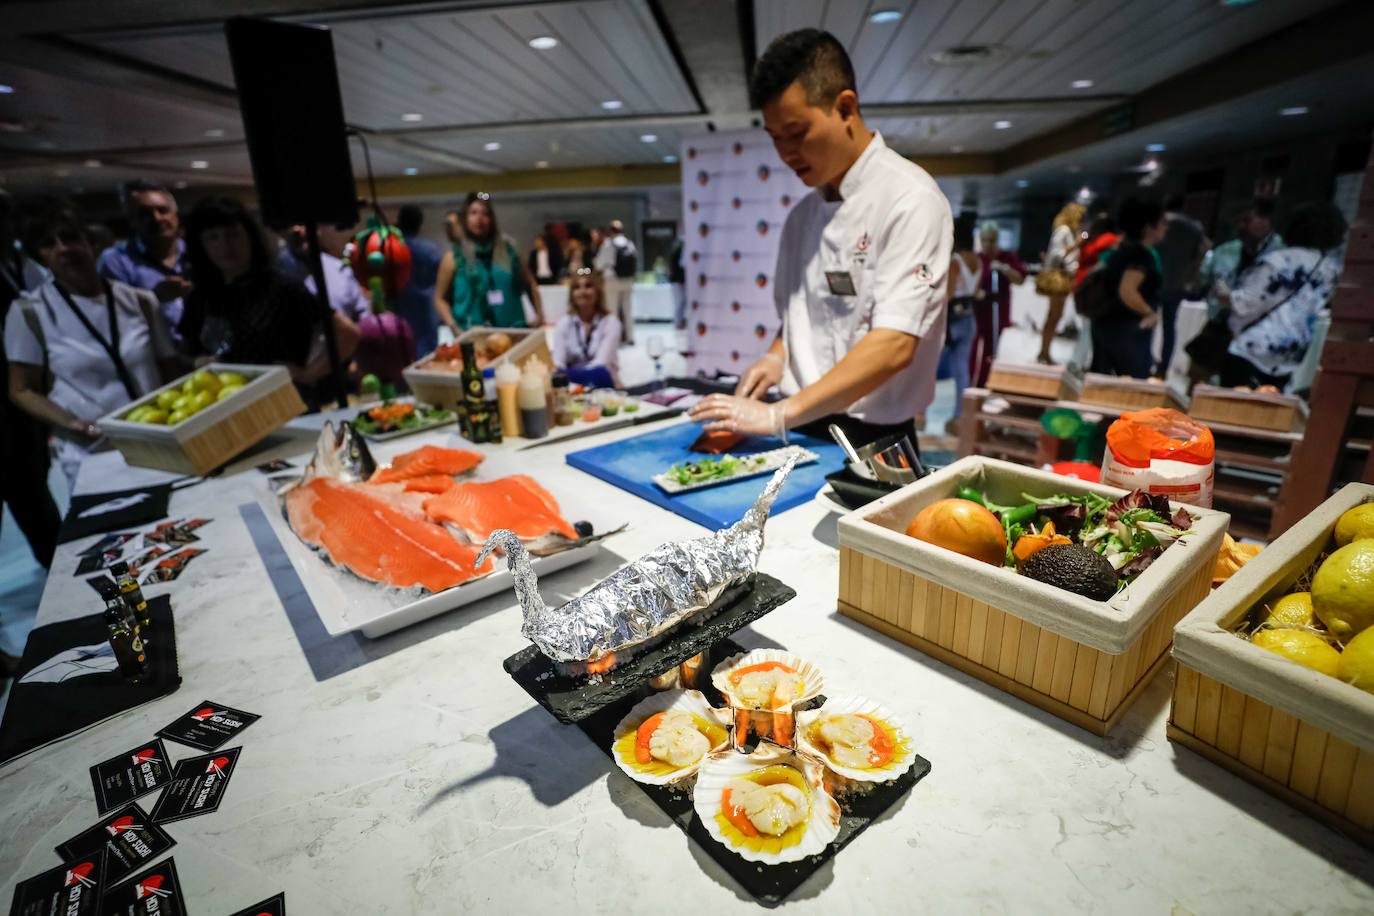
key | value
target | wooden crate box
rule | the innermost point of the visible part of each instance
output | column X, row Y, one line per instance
column 1279, row 412
column 1301, row 735
column 445, row 389
column 1082, row 660
column 1033, row 380
column 1127, row 393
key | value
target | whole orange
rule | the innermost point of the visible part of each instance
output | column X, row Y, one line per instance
column 963, row 527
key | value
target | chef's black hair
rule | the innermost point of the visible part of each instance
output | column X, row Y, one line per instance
column 814, row 58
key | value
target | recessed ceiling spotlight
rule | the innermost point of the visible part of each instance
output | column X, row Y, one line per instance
column 542, row 164
column 1155, row 147
column 670, row 159
column 1085, row 192
column 1082, row 84
column 1001, row 125
column 92, row 163
column 1151, row 164
column 412, row 117
column 881, row 17
column 6, row 89
column 491, row 146
column 613, row 104
column 412, row 171
column 648, row 138
column 1022, row 183
column 543, row 42
column 199, row 164
column 1293, row 111
column 215, row 132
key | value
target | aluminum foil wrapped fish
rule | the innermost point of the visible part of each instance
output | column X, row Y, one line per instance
column 641, row 601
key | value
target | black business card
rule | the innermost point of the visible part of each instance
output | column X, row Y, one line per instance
column 128, row 837
column 136, row 772
column 72, row 889
column 154, row 891
column 208, row 726
column 272, row 906
column 197, row 786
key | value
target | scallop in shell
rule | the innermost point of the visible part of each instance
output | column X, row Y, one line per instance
column 763, row 687
column 689, row 731
column 783, row 814
column 857, row 739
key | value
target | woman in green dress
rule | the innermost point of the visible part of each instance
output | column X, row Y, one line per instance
column 482, row 277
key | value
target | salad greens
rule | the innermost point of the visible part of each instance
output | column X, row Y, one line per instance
column 685, row 473
column 392, row 417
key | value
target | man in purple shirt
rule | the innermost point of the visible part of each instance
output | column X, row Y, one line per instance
column 154, row 257
column 345, row 295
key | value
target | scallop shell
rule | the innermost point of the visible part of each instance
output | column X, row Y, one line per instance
column 822, row 826
column 812, row 681
column 904, row 752
column 690, row 701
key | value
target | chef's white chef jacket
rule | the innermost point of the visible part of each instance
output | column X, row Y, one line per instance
column 890, row 238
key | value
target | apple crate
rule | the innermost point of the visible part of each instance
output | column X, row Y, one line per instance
column 1279, row 412
column 1127, row 393
column 208, row 439
column 1299, row 734
column 445, row 389
column 1083, row 660
column 1034, row 380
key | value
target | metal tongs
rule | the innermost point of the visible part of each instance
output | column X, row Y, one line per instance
column 892, row 459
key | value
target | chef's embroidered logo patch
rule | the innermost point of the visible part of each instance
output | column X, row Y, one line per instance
column 923, row 274
column 862, row 244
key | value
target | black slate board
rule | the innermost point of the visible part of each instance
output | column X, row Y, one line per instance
column 571, row 700
column 769, row 885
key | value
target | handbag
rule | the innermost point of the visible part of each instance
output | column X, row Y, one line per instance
column 1053, row 281
column 1209, row 347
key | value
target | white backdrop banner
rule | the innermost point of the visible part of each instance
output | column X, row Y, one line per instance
column 736, row 194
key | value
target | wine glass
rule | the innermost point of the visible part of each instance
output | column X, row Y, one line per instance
column 656, row 349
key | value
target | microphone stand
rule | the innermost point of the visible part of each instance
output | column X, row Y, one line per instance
column 331, row 342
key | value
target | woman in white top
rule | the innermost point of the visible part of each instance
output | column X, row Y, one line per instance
column 1055, row 280
column 961, row 327
column 586, row 341
column 100, row 344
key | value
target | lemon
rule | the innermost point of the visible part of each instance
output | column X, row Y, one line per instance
column 232, row 378
column 1301, row 646
column 1293, row 610
column 1357, row 662
column 1343, row 590
column 1356, row 523
column 228, row 391
column 155, row 415
column 176, row 417
column 205, row 380
column 166, row 399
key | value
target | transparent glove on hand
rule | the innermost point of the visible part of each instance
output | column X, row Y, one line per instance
column 742, row 415
column 758, row 378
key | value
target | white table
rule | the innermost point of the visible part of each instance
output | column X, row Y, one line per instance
column 423, row 780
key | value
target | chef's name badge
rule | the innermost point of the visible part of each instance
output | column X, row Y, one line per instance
column 840, row 282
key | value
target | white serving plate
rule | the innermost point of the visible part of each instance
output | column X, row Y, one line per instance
column 775, row 458
column 402, row 433
column 346, row 603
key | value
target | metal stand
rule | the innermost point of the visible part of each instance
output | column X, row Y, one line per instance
column 331, row 343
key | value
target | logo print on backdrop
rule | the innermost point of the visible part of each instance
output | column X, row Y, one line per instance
column 760, row 331
column 703, row 178
column 693, row 206
column 735, row 255
column 734, row 356
column 691, row 152
column 696, row 256
column 764, row 173
column 701, row 279
column 704, row 230
column 738, row 147
column 761, row 280
column 762, row 227
column 80, row 874
column 695, row 305
column 786, row 200
column 701, row 329
column 736, row 202
column 734, row 306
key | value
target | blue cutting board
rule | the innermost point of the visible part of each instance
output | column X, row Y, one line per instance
column 631, row 464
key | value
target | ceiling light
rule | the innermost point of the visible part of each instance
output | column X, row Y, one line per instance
column 5, row 89
column 956, row 149
column 1293, row 111
column 1082, row 84
column 542, row 164
column 881, row 17
column 92, row 163
column 648, row 138
column 1085, row 192
column 491, row 146
column 215, row 132
column 1001, row 125
column 412, row 171
column 412, row 117
column 543, row 42
column 180, row 185
column 670, row 159
column 199, row 164
column 1022, row 183
column 613, row 104
column 1151, row 164
column 1155, row 147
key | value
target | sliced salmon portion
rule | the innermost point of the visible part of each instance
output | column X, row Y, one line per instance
column 429, row 483
column 425, row 461
column 514, row 502
column 376, row 539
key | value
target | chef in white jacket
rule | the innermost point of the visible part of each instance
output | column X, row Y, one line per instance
column 862, row 261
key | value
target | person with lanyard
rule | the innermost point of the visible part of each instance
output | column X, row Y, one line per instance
column 1224, row 265
column 81, row 346
column 586, row 341
column 154, row 258
column 482, row 277
column 860, row 280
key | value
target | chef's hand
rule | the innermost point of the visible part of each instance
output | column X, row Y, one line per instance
column 761, row 376
column 741, row 415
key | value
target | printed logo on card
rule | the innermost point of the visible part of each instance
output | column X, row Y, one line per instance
column 80, row 874
column 121, row 824
column 151, row 886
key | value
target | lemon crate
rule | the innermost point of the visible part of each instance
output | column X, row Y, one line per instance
column 1127, row 393
column 1083, row 660
column 445, row 389
column 1279, row 412
column 1302, row 735
column 207, row 439
column 1054, row 382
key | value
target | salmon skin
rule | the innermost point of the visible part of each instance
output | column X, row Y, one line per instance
column 376, row 540
column 426, row 461
column 517, row 502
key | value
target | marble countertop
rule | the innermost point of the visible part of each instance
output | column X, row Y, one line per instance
column 410, row 775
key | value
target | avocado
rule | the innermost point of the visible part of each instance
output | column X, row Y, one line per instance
column 1073, row 568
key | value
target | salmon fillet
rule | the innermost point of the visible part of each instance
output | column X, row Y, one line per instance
column 377, row 540
column 514, row 502
column 425, row 461
column 429, row 483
